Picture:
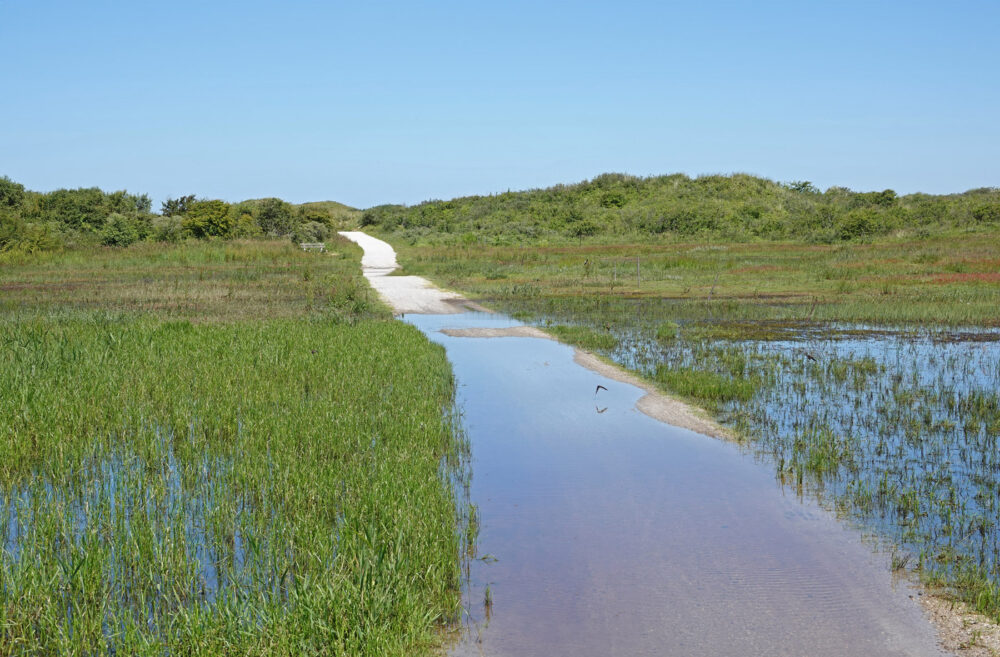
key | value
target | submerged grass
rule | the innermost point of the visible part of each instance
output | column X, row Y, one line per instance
column 282, row 485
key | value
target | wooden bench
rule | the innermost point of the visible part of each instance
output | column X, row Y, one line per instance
column 313, row 246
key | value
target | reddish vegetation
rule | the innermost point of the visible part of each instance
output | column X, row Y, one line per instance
column 979, row 277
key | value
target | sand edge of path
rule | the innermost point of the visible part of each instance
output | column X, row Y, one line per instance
column 655, row 403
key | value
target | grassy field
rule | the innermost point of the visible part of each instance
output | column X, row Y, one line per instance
column 866, row 372
column 952, row 278
column 220, row 448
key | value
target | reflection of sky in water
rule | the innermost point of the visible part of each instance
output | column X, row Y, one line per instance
column 226, row 540
column 616, row 534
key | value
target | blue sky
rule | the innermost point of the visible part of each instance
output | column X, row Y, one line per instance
column 369, row 102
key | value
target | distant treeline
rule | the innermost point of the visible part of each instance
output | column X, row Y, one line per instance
column 36, row 221
column 738, row 207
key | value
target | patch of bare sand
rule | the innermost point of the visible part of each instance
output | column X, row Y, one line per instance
column 961, row 630
column 509, row 332
column 654, row 403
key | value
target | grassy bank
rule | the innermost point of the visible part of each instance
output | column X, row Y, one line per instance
column 220, row 449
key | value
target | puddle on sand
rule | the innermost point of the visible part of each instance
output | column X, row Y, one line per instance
column 615, row 534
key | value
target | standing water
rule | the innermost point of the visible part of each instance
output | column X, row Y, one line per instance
column 606, row 532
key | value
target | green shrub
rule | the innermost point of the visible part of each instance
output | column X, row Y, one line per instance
column 19, row 235
column 167, row 229
column 857, row 223
column 11, row 193
column 275, row 217
column 120, row 230
column 987, row 213
column 209, row 219
column 311, row 231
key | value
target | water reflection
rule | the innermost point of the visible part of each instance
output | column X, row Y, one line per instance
column 616, row 534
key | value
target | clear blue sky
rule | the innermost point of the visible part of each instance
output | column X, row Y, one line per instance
column 368, row 102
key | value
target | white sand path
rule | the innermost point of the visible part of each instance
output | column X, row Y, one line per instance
column 404, row 294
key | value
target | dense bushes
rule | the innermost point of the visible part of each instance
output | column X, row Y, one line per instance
column 33, row 221
column 122, row 230
column 736, row 207
column 731, row 207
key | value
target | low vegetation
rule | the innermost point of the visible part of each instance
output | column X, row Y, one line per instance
column 951, row 279
column 215, row 443
column 221, row 448
column 740, row 207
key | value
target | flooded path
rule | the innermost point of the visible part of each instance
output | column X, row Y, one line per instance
column 606, row 532
column 615, row 534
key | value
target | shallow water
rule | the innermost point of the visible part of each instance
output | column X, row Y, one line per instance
column 605, row 532
column 916, row 414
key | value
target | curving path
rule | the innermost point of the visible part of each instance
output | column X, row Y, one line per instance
column 404, row 294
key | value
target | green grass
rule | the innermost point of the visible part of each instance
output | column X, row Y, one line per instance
column 200, row 281
column 951, row 278
column 708, row 388
column 583, row 336
column 192, row 471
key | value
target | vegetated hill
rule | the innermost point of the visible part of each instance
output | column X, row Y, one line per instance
column 37, row 221
column 738, row 206
column 325, row 211
column 332, row 207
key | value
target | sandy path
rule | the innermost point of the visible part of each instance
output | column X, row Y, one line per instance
column 404, row 294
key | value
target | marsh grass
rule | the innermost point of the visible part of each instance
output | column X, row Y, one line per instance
column 181, row 479
column 199, row 281
column 582, row 336
column 948, row 279
column 709, row 388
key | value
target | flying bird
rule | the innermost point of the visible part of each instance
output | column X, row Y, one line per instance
column 599, row 388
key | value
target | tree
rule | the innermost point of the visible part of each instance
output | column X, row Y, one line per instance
column 275, row 216
column 120, row 230
column 803, row 187
column 176, row 206
column 208, row 219
column 11, row 193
